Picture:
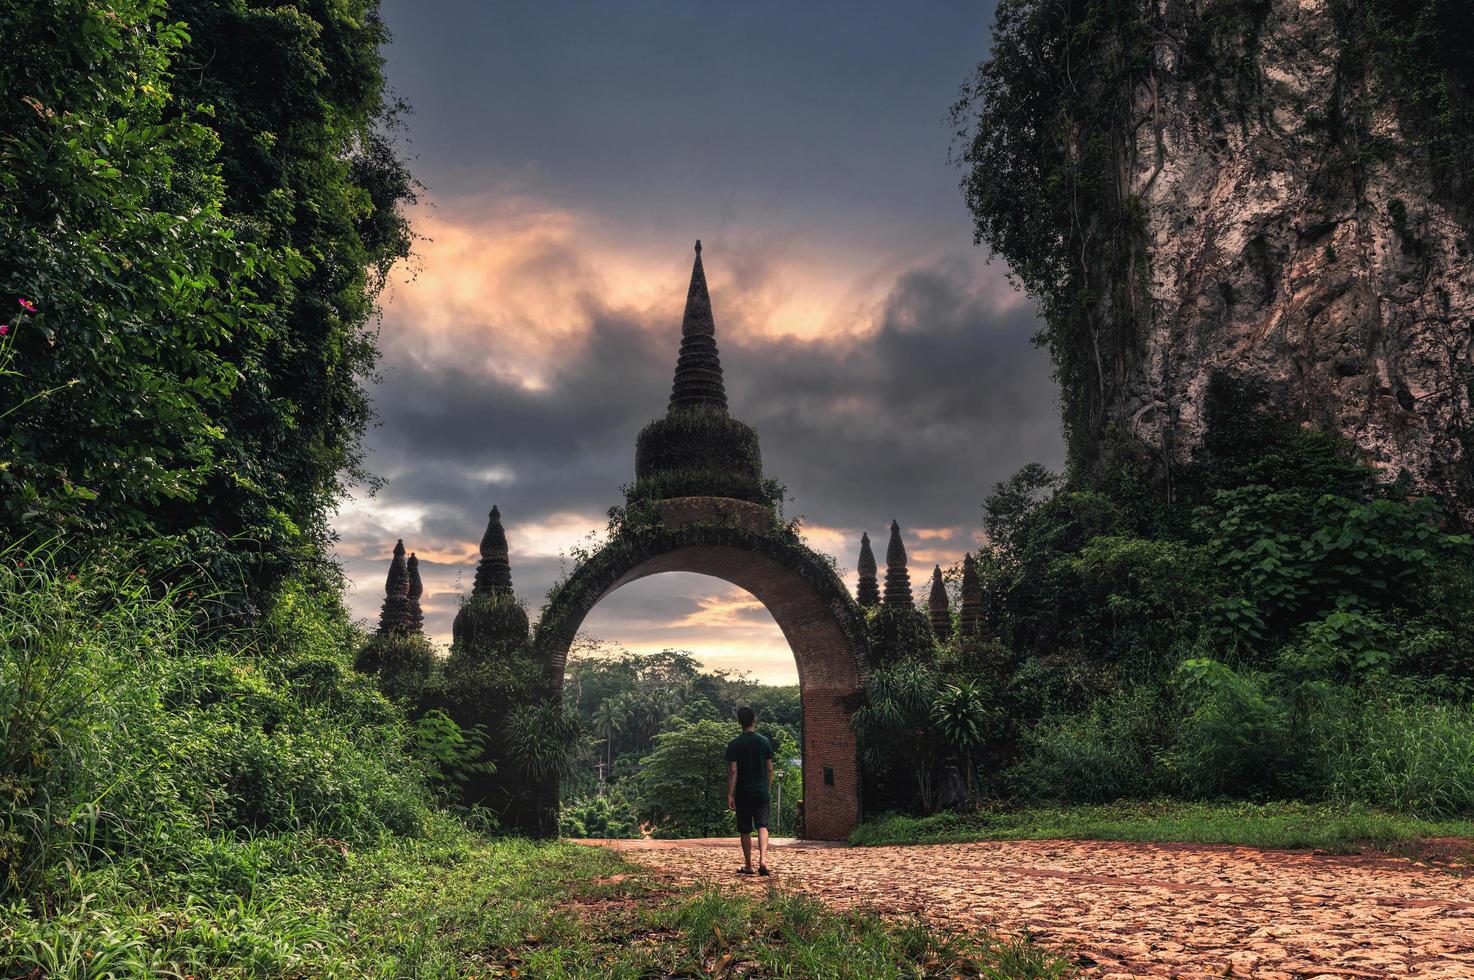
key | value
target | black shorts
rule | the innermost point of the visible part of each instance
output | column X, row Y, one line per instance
column 751, row 812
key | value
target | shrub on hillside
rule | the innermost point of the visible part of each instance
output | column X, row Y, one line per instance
column 126, row 733
column 1107, row 753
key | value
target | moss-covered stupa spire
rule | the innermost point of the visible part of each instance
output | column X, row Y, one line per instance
column 937, row 609
column 697, row 449
column 491, row 623
column 970, row 621
column 897, row 579
column 416, row 616
column 698, row 380
column 394, row 616
column 869, row 590
column 494, row 573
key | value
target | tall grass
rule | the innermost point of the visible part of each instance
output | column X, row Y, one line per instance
column 131, row 736
column 1414, row 757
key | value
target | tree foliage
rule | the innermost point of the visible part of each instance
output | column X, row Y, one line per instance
column 201, row 205
column 682, row 785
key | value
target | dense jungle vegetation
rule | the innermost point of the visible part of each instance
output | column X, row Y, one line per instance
column 660, row 726
column 1285, row 629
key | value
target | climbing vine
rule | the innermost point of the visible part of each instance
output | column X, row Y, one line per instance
column 1044, row 132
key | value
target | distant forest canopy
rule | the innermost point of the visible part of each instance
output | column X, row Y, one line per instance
column 200, row 205
column 639, row 709
column 1261, row 190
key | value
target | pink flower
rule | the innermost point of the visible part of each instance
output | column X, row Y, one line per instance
column 4, row 329
column 27, row 305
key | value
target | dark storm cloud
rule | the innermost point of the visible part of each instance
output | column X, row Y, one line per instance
column 914, row 420
column 918, row 420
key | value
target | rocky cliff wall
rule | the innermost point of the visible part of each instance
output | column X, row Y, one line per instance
column 1277, row 192
column 1296, row 236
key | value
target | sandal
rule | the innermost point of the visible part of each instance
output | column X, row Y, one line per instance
column 762, row 869
column 745, row 871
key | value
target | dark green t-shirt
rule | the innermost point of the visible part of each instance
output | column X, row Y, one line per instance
column 751, row 752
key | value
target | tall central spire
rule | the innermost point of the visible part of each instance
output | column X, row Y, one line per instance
column 698, row 381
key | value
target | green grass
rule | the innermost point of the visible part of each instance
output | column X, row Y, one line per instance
column 454, row 904
column 1338, row 829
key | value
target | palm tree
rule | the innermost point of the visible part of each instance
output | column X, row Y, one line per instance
column 962, row 716
column 610, row 718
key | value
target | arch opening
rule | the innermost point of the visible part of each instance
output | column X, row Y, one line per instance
column 726, row 628
column 812, row 609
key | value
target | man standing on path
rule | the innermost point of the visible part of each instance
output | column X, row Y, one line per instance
column 749, row 780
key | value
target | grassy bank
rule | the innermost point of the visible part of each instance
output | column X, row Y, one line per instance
column 181, row 801
column 1338, row 829
column 454, row 904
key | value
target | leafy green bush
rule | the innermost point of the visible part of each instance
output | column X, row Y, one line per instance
column 128, row 735
column 1236, row 735
column 1251, row 621
column 202, row 226
column 403, row 662
column 1101, row 755
column 543, row 739
column 604, row 816
column 681, row 787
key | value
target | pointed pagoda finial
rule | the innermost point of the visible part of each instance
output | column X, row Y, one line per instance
column 494, row 573
column 897, row 579
column 938, row 611
column 869, row 590
column 698, row 381
column 394, row 614
column 416, row 589
column 970, row 621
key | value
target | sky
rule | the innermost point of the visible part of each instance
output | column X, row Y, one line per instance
column 572, row 153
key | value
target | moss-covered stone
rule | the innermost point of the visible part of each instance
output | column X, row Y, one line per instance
column 698, row 452
column 394, row 615
column 416, row 590
column 490, row 626
column 971, row 622
column 698, row 380
column 697, row 449
column 494, row 572
column 938, row 611
column 897, row 579
column 868, row 592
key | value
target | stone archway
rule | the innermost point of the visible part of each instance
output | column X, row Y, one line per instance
column 737, row 542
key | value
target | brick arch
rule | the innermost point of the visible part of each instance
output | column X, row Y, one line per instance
column 806, row 598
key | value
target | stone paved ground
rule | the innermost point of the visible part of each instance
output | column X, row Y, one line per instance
column 1124, row 909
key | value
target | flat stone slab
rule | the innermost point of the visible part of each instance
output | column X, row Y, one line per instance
column 1137, row 910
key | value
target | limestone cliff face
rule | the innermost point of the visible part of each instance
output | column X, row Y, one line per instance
column 1287, row 243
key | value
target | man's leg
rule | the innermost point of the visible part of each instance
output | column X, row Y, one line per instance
column 744, row 828
column 760, row 819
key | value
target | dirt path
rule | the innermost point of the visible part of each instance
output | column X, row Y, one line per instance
column 1122, row 910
